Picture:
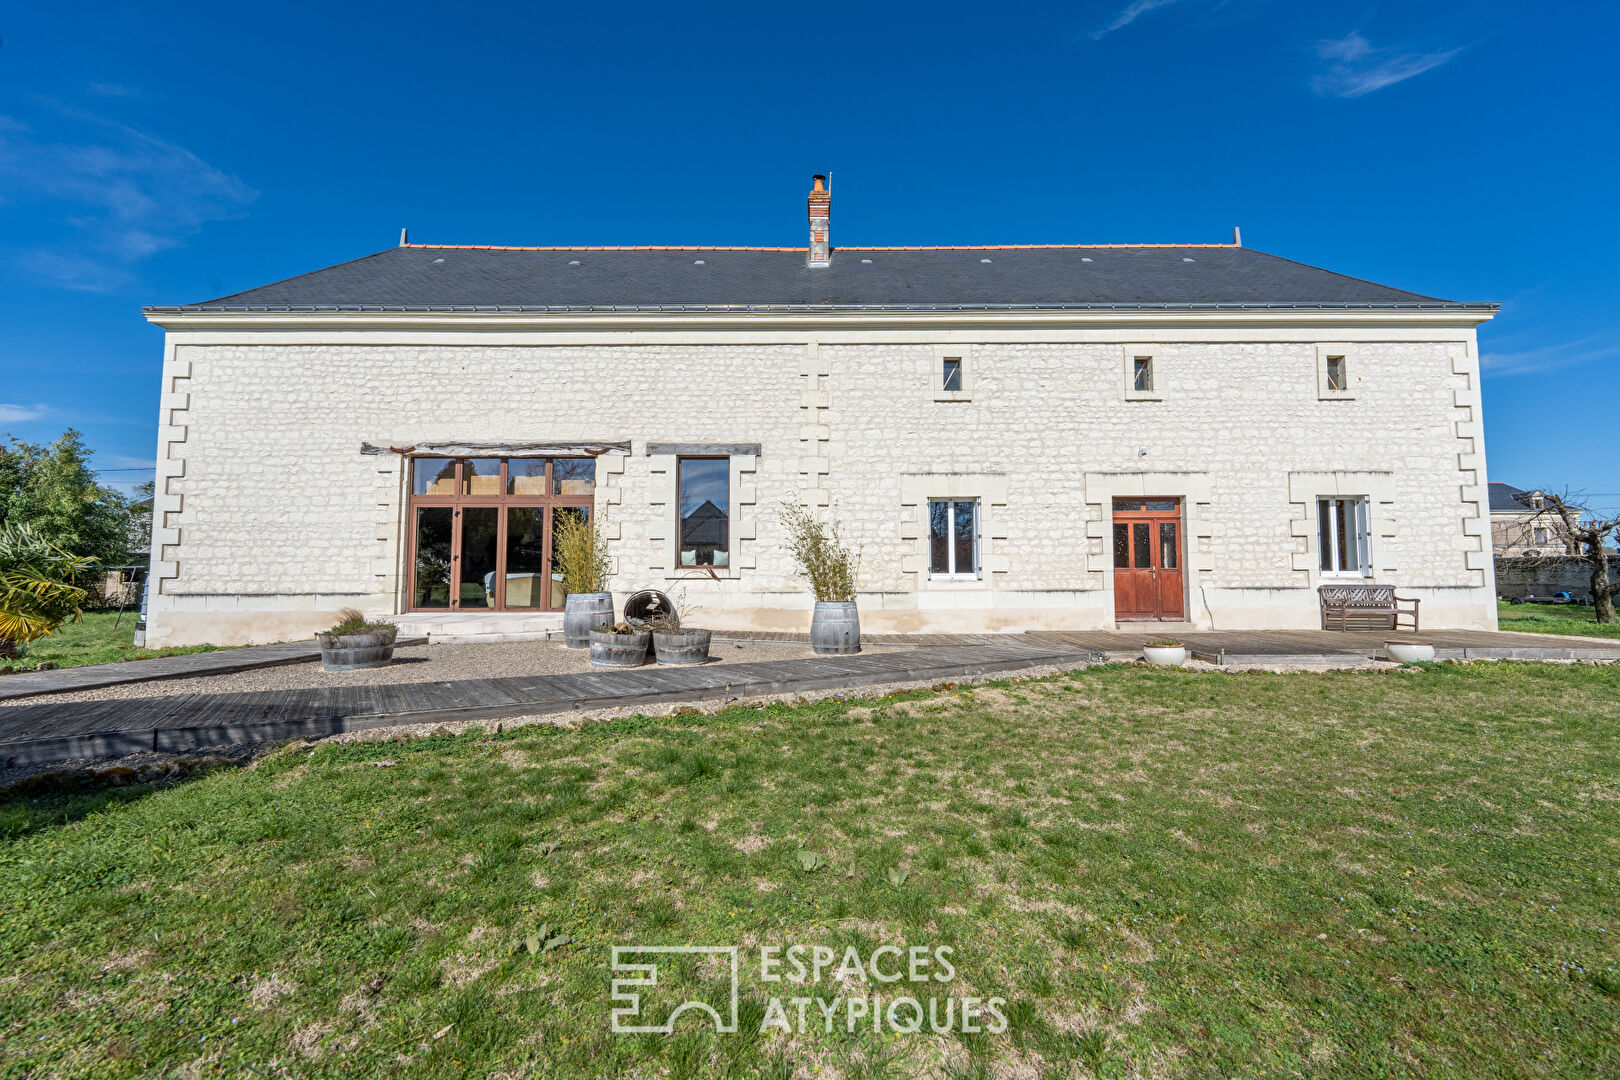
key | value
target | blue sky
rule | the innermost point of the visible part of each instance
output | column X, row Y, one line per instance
column 170, row 153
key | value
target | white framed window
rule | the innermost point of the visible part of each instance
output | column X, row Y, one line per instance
column 1143, row 380
column 1342, row 532
column 953, row 538
column 1538, row 535
column 953, row 373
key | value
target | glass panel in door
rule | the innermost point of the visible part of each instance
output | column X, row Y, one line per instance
column 1141, row 545
column 1169, row 550
column 525, row 573
column 480, row 527
column 434, row 525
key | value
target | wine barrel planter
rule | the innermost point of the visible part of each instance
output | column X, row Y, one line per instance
column 619, row 650
column 835, row 628
column 681, row 647
column 356, row 652
column 643, row 609
column 583, row 613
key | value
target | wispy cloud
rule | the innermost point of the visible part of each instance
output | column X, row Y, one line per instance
column 1135, row 10
column 17, row 414
column 1356, row 68
column 1547, row 358
column 115, row 194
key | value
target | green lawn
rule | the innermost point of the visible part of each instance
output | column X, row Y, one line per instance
column 93, row 640
column 1553, row 619
column 1163, row 873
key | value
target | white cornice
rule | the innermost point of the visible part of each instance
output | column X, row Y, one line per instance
column 812, row 322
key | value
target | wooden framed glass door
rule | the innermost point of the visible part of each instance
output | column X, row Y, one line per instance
column 1147, row 560
column 480, row 531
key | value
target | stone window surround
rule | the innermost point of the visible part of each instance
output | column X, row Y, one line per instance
column 963, row 353
column 1128, row 355
column 918, row 489
column 1304, row 488
column 742, row 492
column 1192, row 488
column 1323, row 391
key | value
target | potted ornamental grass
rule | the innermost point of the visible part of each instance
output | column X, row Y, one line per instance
column 580, row 557
column 354, row 642
column 827, row 563
column 1166, row 653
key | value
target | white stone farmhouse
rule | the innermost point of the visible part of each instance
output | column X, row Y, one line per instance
column 1062, row 436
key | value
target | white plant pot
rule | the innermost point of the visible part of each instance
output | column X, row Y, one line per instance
column 1409, row 652
column 1165, row 657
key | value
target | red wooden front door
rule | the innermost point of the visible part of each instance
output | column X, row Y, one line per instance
column 1147, row 560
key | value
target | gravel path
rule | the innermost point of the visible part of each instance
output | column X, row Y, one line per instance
column 412, row 663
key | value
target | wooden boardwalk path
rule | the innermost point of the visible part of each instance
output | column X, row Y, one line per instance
column 54, row 731
column 1335, row 646
column 92, row 676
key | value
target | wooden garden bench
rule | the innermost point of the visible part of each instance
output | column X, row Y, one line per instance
column 1365, row 607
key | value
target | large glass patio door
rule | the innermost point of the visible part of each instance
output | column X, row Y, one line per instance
column 480, row 530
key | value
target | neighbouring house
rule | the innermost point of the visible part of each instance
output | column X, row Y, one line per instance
column 1061, row 435
column 1522, row 526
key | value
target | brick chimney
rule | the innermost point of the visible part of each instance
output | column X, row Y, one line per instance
column 820, row 213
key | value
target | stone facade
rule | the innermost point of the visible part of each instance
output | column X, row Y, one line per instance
column 269, row 518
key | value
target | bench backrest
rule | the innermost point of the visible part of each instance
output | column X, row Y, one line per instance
column 1358, row 595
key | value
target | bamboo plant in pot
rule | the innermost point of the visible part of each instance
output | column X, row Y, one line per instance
column 827, row 563
column 579, row 553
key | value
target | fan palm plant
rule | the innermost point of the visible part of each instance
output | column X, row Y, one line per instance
column 37, row 590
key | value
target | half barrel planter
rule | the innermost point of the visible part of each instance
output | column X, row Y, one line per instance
column 584, row 612
column 610, row 650
column 679, row 647
column 356, row 652
column 835, row 628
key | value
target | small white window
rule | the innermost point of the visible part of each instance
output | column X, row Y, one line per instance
column 951, row 374
column 953, row 538
column 1334, row 379
column 1342, row 536
column 1539, row 536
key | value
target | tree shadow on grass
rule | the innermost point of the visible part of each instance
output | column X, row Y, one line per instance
column 55, row 795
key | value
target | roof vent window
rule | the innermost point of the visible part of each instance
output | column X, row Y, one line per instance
column 868, row 262
column 697, row 262
column 984, row 260
column 1085, row 258
column 573, row 262
column 1185, row 259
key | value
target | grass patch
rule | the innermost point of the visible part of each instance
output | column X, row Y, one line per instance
column 1578, row 619
column 94, row 640
column 1163, row 873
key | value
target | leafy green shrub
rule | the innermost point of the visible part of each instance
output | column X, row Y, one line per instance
column 37, row 593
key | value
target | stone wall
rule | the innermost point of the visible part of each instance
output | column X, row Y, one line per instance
column 1545, row 575
column 269, row 517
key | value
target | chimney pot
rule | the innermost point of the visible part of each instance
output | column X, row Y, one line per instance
column 820, row 251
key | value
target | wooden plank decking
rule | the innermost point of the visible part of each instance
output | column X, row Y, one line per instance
column 52, row 731
column 92, row 676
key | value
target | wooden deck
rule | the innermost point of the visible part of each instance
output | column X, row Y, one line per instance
column 54, row 731
column 92, row 676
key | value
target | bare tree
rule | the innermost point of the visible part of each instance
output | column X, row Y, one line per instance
column 1587, row 534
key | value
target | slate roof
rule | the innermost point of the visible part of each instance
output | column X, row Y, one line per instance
column 421, row 277
column 1504, row 499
